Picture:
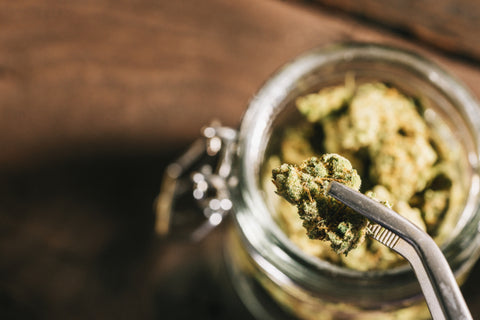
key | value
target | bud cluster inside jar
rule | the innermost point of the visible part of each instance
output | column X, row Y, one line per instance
column 404, row 153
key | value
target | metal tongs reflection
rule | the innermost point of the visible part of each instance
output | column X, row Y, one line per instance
column 443, row 296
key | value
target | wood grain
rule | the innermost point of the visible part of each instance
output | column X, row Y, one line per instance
column 453, row 25
column 83, row 76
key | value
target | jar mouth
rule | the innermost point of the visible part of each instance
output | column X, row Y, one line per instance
column 322, row 67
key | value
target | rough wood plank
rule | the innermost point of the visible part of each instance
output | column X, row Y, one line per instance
column 453, row 25
column 82, row 76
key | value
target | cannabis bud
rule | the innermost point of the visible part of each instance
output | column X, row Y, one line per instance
column 324, row 218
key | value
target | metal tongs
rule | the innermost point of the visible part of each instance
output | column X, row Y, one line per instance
column 441, row 291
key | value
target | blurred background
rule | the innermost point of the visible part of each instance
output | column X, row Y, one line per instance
column 97, row 97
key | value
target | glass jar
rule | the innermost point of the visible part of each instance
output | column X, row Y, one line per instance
column 274, row 278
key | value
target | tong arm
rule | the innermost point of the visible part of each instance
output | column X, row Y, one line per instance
column 437, row 281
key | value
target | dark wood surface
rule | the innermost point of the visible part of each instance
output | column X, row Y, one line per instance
column 452, row 25
column 93, row 74
column 96, row 97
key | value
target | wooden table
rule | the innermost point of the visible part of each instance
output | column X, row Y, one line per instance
column 96, row 97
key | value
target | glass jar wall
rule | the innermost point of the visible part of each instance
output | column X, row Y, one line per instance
column 273, row 276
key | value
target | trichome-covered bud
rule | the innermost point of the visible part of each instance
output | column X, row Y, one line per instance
column 324, row 218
